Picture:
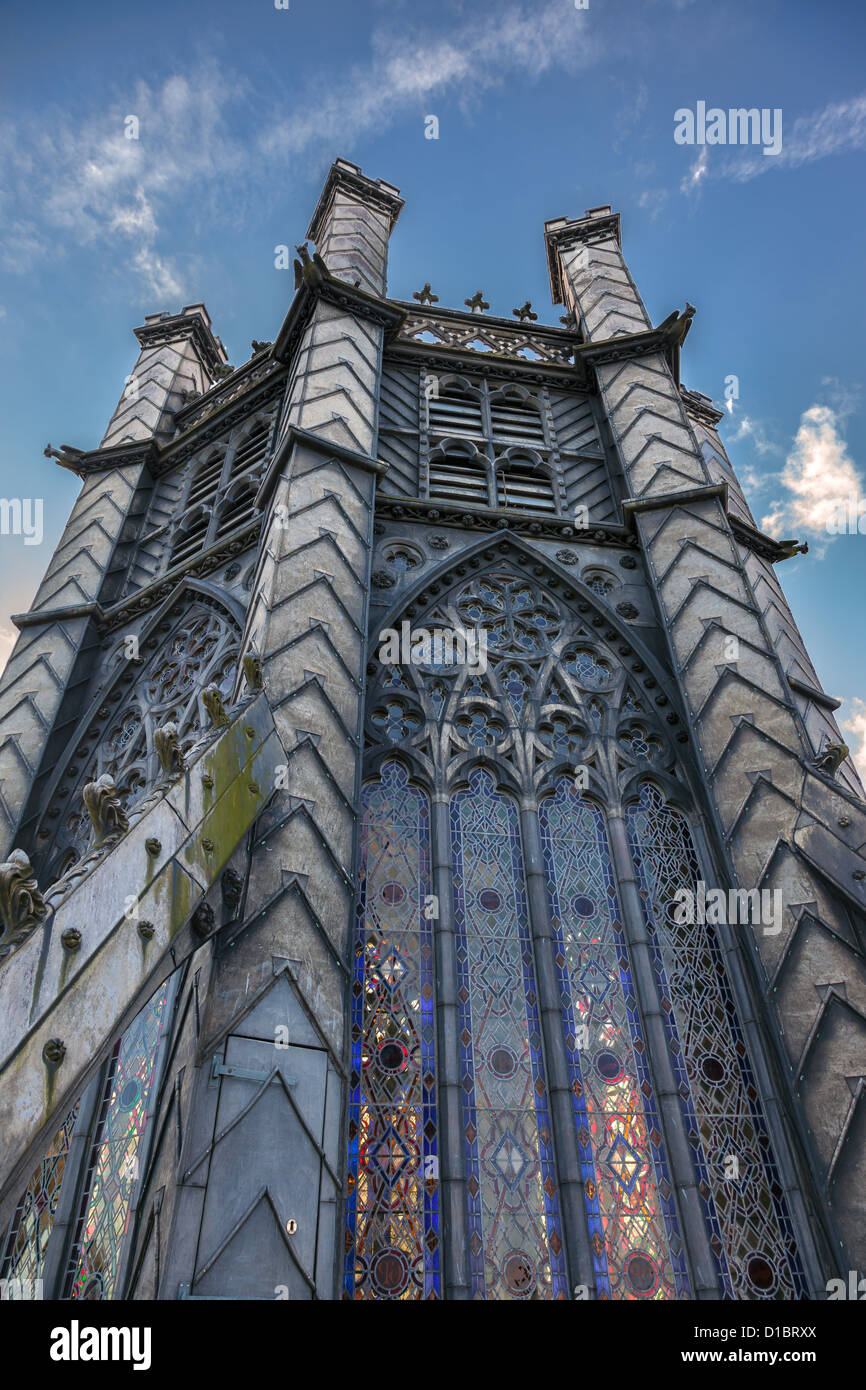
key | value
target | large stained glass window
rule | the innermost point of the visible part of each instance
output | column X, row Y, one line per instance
column 515, row 1242
column 554, row 699
column 392, row 1235
column 750, row 1229
column 31, row 1225
column 113, row 1167
column 636, row 1243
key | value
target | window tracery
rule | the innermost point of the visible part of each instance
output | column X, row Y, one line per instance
column 554, row 695
column 199, row 649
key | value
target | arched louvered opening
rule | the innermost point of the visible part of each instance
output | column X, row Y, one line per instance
column 515, row 416
column 521, row 483
column 455, row 408
column 190, row 537
column 238, row 507
column 206, row 481
column 459, row 477
column 252, row 449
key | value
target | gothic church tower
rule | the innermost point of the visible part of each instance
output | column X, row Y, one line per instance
column 336, row 969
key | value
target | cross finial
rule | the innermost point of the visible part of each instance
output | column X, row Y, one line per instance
column 525, row 312
column 426, row 296
column 477, row 303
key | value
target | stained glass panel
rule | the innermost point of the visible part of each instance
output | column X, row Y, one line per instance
column 515, row 1242
column 750, row 1228
column 31, row 1225
column 636, row 1242
column 113, row 1169
column 392, row 1235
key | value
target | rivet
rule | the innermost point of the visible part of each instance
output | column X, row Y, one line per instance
column 71, row 939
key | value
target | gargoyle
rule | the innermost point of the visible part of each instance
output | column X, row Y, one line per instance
column 168, row 750
column 831, row 758
column 259, row 347
column 677, row 324
column 310, row 270
column 67, row 455
column 107, row 816
column 212, row 698
column 253, row 675
column 21, row 905
column 788, row 549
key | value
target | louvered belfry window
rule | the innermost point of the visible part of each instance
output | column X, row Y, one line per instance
column 488, row 444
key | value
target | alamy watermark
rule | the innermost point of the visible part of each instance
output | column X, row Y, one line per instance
column 733, row 906
column 736, row 126
column 437, row 646
column 22, row 516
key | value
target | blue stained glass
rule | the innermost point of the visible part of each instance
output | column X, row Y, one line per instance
column 392, row 1233
column 515, row 1240
column 744, row 1205
column 114, row 1163
column 634, row 1233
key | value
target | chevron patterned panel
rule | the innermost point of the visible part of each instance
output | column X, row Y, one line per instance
column 784, row 826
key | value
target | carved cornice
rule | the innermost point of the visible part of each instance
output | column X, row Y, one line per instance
column 346, row 177
column 701, row 407
column 438, row 357
column 560, row 235
column 175, row 328
column 432, row 511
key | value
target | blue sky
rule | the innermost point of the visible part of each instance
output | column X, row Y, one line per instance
column 544, row 110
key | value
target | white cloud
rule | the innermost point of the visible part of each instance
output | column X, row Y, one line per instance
column 89, row 185
column 653, row 199
column 855, row 725
column 836, row 129
column 818, row 475
column 407, row 71
column 755, row 432
column 691, row 182
column 84, row 183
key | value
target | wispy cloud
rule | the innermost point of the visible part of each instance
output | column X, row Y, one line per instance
column 855, row 725
column 754, row 432
column 818, row 475
column 837, row 128
column 99, row 188
column 411, row 70
column 692, row 181
column 86, row 184
column 653, row 200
